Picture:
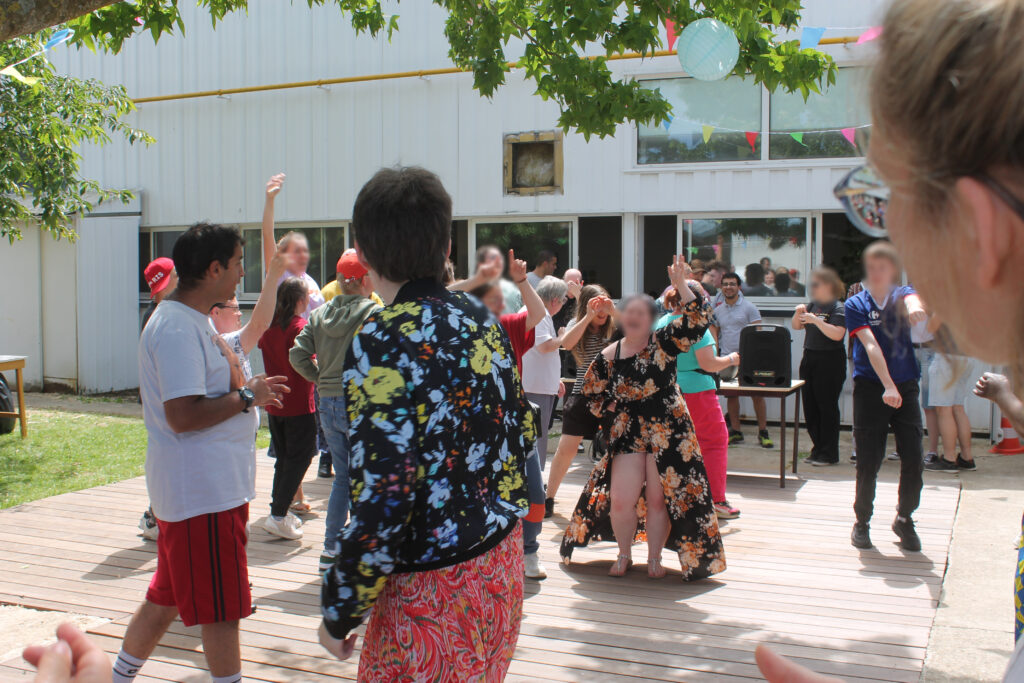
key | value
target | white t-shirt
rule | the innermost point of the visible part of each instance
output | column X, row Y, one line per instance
column 200, row 472
column 542, row 371
column 316, row 297
column 234, row 340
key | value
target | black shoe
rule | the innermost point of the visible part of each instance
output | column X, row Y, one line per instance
column 942, row 465
column 965, row 464
column 764, row 439
column 930, row 458
column 549, row 507
column 735, row 436
column 324, row 471
column 853, row 457
column 861, row 536
column 904, row 528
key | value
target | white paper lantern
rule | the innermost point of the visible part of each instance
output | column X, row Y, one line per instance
column 708, row 49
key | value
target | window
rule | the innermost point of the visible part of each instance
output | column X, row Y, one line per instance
column 732, row 107
column 842, row 245
column 326, row 244
column 527, row 239
column 533, row 163
column 145, row 247
column 659, row 242
column 820, row 120
column 600, row 252
column 757, row 248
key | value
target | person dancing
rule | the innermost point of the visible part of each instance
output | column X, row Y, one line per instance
column 694, row 370
column 652, row 448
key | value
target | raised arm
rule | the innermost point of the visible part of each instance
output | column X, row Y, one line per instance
column 384, row 465
column 485, row 272
column 267, row 232
column 680, row 334
column 535, row 310
column 263, row 313
column 891, row 396
column 572, row 335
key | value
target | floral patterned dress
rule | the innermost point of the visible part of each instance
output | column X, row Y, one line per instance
column 651, row 417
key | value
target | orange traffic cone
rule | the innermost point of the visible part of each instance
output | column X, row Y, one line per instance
column 1009, row 442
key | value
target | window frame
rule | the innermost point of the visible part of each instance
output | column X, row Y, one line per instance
column 511, row 139
column 574, row 229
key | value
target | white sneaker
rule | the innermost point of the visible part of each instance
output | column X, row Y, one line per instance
column 285, row 528
column 150, row 531
column 533, row 568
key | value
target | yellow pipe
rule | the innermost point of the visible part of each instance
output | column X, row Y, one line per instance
column 394, row 75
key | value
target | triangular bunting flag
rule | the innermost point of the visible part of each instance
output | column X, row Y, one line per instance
column 670, row 33
column 668, row 122
column 17, row 75
column 707, row 130
column 61, row 36
column 810, row 36
column 869, row 35
column 850, row 134
column 799, row 137
column 752, row 141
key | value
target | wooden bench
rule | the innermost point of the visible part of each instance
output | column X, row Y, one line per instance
column 17, row 363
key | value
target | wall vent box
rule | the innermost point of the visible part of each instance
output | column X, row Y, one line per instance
column 533, row 163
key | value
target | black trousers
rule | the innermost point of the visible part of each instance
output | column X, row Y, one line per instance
column 871, row 422
column 824, row 372
column 294, row 442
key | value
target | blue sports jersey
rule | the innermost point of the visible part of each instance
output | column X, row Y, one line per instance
column 892, row 332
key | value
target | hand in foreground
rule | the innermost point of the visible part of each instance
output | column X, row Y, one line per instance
column 280, row 263
column 574, row 289
column 800, row 310
column 268, row 390
column 777, row 669
column 72, row 659
column 605, row 305
column 811, row 319
column 274, row 185
column 488, row 270
column 992, row 386
column 917, row 315
column 679, row 272
column 891, row 397
column 342, row 649
column 516, row 267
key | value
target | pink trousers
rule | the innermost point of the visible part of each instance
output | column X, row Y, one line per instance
column 712, row 437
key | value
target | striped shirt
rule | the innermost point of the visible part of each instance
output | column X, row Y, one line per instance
column 591, row 344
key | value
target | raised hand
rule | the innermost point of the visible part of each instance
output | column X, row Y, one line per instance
column 679, row 272
column 488, row 270
column 516, row 267
column 574, row 289
column 269, row 390
column 274, row 185
column 281, row 262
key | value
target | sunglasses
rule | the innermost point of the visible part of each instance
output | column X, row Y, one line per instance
column 865, row 198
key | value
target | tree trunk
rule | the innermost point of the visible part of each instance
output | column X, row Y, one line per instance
column 18, row 17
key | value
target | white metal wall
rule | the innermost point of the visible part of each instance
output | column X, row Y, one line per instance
column 213, row 155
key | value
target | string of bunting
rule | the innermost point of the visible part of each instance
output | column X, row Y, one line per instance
column 707, row 130
column 61, row 36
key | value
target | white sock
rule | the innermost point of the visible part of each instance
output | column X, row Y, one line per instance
column 236, row 678
column 126, row 667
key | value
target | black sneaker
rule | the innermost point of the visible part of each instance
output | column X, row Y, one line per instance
column 861, row 536
column 764, row 439
column 324, row 471
column 549, row 507
column 942, row 465
column 965, row 464
column 904, row 528
column 735, row 437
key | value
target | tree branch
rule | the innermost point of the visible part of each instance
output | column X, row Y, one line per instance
column 18, row 17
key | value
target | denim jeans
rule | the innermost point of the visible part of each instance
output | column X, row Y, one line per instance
column 334, row 421
column 535, row 492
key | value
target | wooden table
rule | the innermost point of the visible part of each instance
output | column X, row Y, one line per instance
column 734, row 390
column 17, row 363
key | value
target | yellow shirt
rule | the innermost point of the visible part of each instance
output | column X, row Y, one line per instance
column 333, row 289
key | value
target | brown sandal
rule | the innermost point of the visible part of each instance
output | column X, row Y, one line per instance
column 621, row 566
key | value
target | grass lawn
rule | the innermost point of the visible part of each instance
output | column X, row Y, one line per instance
column 70, row 451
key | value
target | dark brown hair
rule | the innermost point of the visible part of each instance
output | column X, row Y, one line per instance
column 289, row 294
column 586, row 294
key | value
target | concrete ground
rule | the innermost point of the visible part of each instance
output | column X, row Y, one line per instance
column 972, row 636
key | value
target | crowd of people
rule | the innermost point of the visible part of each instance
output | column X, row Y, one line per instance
column 442, row 405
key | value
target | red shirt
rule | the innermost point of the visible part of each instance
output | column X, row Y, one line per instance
column 522, row 340
column 275, row 344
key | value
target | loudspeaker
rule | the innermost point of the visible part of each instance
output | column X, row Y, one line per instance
column 765, row 356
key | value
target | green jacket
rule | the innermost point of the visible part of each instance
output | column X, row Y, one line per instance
column 327, row 335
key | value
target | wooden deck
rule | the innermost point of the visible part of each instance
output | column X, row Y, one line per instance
column 793, row 581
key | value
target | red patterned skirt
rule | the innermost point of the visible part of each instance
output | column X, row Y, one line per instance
column 459, row 623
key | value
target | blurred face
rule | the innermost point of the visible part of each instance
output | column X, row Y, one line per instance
column 555, row 306
column 636, row 319
column 551, row 266
column 730, row 288
column 298, row 251
column 880, row 273
column 769, row 278
column 821, row 292
column 715, row 275
column 227, row 317
column 495, row 254
column 494, row 301
column 766, row 263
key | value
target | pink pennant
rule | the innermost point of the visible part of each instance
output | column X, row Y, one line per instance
column 670, row 32
column 752, row 141
column 850, row 134
column 869, row 35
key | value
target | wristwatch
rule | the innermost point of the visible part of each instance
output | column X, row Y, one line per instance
column 246, row 395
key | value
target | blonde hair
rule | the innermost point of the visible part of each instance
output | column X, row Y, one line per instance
column 949, row 89
column 286, row 241
column 831, row 278
column 882, row 249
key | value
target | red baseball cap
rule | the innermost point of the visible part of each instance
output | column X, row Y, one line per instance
column 349, row 266
column 158, row 275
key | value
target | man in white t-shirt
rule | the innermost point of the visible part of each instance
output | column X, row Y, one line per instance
column 200, row 459
column 547, row 264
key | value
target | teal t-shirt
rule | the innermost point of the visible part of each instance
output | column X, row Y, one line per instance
column 690, row 380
